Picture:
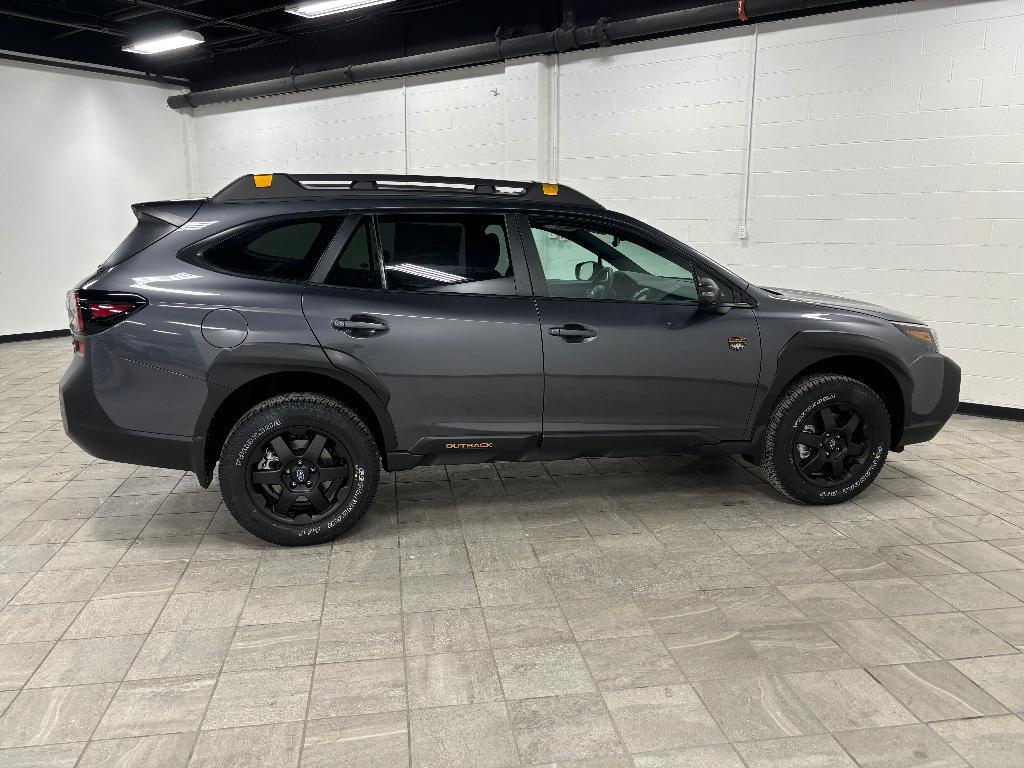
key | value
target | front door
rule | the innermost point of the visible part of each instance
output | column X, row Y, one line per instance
column 437, row 307
column 630, row 361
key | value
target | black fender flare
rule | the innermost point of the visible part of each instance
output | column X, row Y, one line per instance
column 234, row 368
column 806, row 348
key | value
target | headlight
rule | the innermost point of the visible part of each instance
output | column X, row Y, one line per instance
column 921, row 333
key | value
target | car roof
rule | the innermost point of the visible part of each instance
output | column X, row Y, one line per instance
column 288, row 187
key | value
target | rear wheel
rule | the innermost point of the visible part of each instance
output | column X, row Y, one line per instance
column 299, row 469
column 827, row 439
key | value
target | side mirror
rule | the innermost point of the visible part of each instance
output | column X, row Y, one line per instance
column 586, row 270
column 709, row 294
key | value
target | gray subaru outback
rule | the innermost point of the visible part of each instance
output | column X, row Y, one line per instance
column 302, row 333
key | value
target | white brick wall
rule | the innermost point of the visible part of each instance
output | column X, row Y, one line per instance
column 887, row 156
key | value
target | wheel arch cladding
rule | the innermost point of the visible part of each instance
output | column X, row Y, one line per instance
column 863, row 358
column 263, row 387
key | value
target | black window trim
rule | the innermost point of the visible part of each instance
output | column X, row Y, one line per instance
column 516, row 254
column 193, row 254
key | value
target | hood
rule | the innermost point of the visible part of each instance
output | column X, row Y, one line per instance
column 838, row 302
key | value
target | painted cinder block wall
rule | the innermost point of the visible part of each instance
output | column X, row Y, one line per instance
column 876, row 153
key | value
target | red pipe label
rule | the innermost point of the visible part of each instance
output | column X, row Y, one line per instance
column 742, row 10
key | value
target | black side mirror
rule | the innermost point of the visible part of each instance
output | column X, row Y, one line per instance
column 586, row 270
column 709, row 293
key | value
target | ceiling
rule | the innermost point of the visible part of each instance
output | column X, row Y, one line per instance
column 248, row 42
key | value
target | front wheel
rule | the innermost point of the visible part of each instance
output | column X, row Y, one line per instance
column 299, row 469
column 827, row 439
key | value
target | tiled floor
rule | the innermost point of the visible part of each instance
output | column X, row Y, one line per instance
column 662, row 612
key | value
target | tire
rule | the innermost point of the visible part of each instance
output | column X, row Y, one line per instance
column 267, row 455
column 815, row 451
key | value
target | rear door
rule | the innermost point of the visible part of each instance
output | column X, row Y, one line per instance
column 437, row 306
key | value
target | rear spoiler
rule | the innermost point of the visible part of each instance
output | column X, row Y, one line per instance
column 174, row 212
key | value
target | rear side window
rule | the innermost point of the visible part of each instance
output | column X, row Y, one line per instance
column 287, row 250
column 451, row 253
column 356, row 266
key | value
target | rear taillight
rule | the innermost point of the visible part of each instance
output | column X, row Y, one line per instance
column 94, row 311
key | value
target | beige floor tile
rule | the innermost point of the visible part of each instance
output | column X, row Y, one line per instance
column 259, row 696
column 163, row 751
column 178, row 654
column 277, row 745
column 93, row 660
column 954, row 635
column 749, row 708
column 663, row 717
column 451, row 679
column 272, row 645
column 985, row 742
column 936, row 690
column 817, row 751
column 359, row 741
column 473, row 736
column 542, row 670
column 358, row 688
column 54, row 715
column 561, row 729
column 848, row 699
column 151, row 707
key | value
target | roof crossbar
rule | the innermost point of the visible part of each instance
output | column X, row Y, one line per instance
column 285, row 186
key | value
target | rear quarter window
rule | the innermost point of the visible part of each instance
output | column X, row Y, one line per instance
column 286, row 250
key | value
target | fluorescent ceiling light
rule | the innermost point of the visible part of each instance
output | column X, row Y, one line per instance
column 320, row 8
column 165, row 43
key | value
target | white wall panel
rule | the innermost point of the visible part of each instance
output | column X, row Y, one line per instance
column 78, row 150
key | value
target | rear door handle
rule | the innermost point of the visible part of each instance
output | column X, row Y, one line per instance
column 573, row 332
column 360, row 325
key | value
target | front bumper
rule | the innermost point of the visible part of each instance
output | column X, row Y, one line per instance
column 936, row 397
column 88, row 425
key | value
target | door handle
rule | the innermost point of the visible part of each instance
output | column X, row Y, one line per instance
column 573, row 333
column 361, row 325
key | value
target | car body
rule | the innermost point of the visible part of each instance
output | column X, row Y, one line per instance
column 451, row 362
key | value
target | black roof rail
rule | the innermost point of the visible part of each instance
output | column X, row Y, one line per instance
column 297, row 186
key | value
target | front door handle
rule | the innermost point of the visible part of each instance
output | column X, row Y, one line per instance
column 360, row 325
column 573, row 333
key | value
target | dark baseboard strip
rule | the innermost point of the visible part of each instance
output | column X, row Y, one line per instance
column 991, row 411
column 34, row 336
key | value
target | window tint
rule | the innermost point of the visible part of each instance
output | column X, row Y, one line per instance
column 357, row 266
column 461, row 254
column 286, row 250
column 583, row 261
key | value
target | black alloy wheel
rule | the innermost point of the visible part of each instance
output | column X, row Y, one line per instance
column 832, row 446
column 300, row 475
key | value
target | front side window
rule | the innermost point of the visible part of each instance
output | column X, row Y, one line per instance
column 584, row 261
column 450, row 253
column 285, row 250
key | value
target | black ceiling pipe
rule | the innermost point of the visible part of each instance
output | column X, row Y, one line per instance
column 561, row 40
column 76, row 25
